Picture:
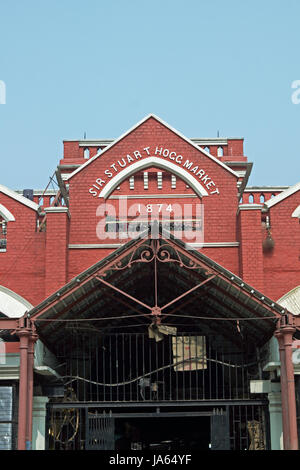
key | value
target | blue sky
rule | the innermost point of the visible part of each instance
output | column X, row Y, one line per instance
column 99, row 67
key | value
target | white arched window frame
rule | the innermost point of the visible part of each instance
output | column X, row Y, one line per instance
column 86, row 153
column 157, row 163
column 6, row 214
column 291, row 301
column 296, row 213
column 12, row 304
column 220, row 151
column 5, row 217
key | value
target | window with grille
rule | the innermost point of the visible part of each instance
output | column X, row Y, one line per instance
column 3, row 232
column 6, row 418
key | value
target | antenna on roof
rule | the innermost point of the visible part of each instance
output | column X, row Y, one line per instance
column 218, row 134
column 84, row 136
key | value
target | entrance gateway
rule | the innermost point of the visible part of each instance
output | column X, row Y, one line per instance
column 120, row 337
column 143, row 368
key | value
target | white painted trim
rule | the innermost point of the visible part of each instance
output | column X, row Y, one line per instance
column 118, row 245
column 215, row 244
column 88, row 162
column 92, row 142
column 280, row 197
column 291, row 301
column 12, row 304
column 241, row 173
column 18, row 197
column 7, row 216
column 261, row 189
column 249, row 207
column 10, row 372
column 149, row 162
column 208, row 141
column 57, row 210
column 154, row 196
column 296, row 213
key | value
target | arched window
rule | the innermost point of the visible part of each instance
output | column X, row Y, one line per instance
column 86, row 153
column 206, row 149
column 11, row 304
column 5, row 217
column 251, row 199
column 262, row 198
column 220, row 152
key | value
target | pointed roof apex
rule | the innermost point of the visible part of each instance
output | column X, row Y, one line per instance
column 165, row 124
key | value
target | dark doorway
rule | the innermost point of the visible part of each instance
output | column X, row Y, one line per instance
column 180, row 434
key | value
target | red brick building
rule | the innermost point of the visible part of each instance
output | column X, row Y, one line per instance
column 217, row 263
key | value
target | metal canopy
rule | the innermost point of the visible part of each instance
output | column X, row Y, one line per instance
column 158, row 279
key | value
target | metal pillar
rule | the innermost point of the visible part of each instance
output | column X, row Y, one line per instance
column 284, row 335
column 26, row 333
column 23, row 334
column 32, row 339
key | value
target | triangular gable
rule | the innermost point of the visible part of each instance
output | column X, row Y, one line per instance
column 85, row 281
column 280, row 197
column 18, row 197
column 136, row 126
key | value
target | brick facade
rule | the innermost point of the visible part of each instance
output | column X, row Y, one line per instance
column 46, row 248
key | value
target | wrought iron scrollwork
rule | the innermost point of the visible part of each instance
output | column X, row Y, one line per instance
column 157, row 250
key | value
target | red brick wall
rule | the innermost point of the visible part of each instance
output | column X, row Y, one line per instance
column 22, row 267
column 38, row 263
column 57, row 239
column 251, row 251
column 282, row 265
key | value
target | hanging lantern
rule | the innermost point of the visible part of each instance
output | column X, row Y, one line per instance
column 268, row 243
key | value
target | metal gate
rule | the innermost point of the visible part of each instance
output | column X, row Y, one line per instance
column 239, row 426
column 100, row 432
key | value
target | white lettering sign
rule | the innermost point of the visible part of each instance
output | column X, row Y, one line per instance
column 164, row 153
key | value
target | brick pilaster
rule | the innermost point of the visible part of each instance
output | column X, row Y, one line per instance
column 251, row 251
column 57, row 239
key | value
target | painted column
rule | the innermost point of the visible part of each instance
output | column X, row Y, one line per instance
column 32, row 339
column 288, row 332
column 283, row 380
column 39, row 423
column 23, row 334
column 289, row 414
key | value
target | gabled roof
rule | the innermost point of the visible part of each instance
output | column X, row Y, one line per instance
column 18, row 197
column 189, row 141
column 225, row 294
column 280, row 197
